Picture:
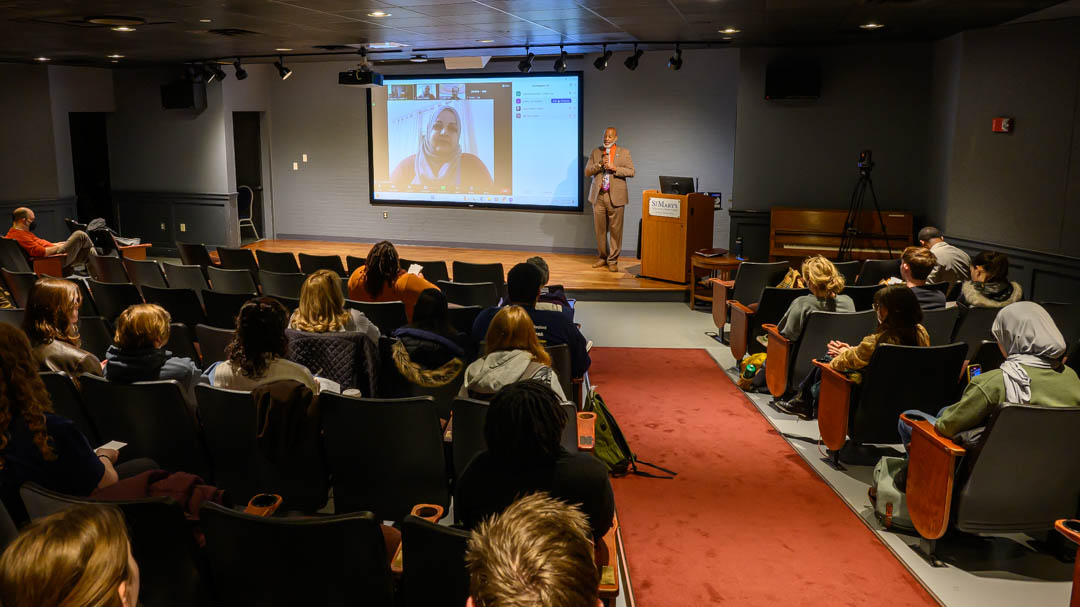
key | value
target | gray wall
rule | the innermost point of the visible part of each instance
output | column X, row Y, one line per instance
column 944, row 99
column 28, row 169
column 75, row 89
column 803, row 152
column 1021, row 189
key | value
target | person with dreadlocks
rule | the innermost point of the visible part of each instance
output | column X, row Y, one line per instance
column 382, row 279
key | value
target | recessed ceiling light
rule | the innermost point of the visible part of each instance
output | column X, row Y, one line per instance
column 283, row 49
column 730, row 30
column 116, row 56
column 418, row 59
column 123, row 28
column 385, row 45
column 485, row 41
column 871, row 26
column 205, row 20
column 378, row 14
column 116, row 61
column 41, row 59
column 726, row 38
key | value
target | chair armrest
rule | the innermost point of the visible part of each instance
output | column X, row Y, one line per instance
column 134, row 251
column 777, row 361
column 1071, row 534
column 931, row 475
column 430, row 513
column 609, row 572
column 586, row 431
column 741, row 318
column 834, row 406
column 265, row 510
column 49, row 265
column 720, row 291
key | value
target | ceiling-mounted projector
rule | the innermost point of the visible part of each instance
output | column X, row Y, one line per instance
column 360, row 77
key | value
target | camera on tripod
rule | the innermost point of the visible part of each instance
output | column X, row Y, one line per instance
column 865, row 162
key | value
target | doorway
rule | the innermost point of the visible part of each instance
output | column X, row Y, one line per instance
column 247, row 156
column 90, row 167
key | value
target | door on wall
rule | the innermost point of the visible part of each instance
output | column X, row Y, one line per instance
column 247, row 151
column 90, row 166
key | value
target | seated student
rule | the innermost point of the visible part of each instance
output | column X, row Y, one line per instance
column 825, row 284
column 989, row 286
column 382, row 279
column 322, row 308
column 78, row 556
column 550, row 298
column 52, row 324
column 257, row 352
column 76, row 249
column 916, row 263
column 513, row 353
column 899, row 317
column 553, row 328
column 524, row 455
column 538, row 552
column 951, row 263
column 1033, row 373
column 429, row 351
column 141, row 334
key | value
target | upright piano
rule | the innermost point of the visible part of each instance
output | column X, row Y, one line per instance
column 798, row 233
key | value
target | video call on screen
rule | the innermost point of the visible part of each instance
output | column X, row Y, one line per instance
column 503, row 141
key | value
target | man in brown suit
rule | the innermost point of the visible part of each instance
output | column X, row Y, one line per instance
column 609, row 166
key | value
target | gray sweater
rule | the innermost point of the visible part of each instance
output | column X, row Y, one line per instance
column 791, row 325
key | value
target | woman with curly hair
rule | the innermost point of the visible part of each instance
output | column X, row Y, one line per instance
column 35, row 444
column 322, row 308
column 257, row 353
column 52, row 324
column 382, row 279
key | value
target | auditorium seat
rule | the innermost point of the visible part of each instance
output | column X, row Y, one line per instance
column 238, row 259
column 231, row 281
column 746, row 322
column 113, row 298
column 144, row 273
column 965, row 488
column 275, row 284
column 482, row 272
column 482, row 294
column 1067, row 318
column 311, row 263
column 939, row 324
column 392, row 384
column 182, row 304
column 107, row 269
column 182, row 342
column 172, row 568
column 329, row 561
column 973, row 328
column 896, row 379
column 8, row 530
column 282, row 263
column 152, row 417
column 345, row 357
column 433, row 564
column 463, row 317
column 385, row 455
column 88, row 307
column 875, row 270
column 19, row 285
column 185, row 277
column 560, row 364
column 67, row 402
column 12, row 316
column 212, row 343
column 387, row 315
column 290, row 303
column 849, row 270
column 192, row 254
column 229, row 422
column 790, row 361
column 862, row 296
column 96, row 334
column 353, row 263
column 433, row 271
column 750, row 279
column 222, row 308
column 987, row 355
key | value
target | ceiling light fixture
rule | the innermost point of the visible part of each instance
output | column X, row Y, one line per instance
column 42, row 59
column 602, row 61
column 675, row 63
column 727, row 38
column 116, row 56
column 241, row 73
column 123, row 28
column 386, row 45
column 525, row 65
column 485, row 41
column 730, row 30
column 214, row 72
column 871, row 26
column 560, row 63
column 418, row 59
column 205, row 20
column 631, row 62
column 283, row 71
column 283, row 50
column 378, row 14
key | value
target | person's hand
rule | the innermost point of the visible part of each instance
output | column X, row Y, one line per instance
column 836, row 347
column 606, row 165
column 110, row 454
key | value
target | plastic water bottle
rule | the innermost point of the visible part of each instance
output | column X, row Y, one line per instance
column 738, row 247
column 749, row 372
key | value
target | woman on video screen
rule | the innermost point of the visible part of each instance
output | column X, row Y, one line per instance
column 440, row 160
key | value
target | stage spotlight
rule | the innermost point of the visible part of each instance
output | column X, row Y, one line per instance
column 283, row 71
column 602, row 61
column 560, row 63
column 241, row 73
column 631, row 62
column 214, row 71
column 525, row 65
column 676, row 60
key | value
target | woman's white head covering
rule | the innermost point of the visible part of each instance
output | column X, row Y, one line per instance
column 433, row 168
column 1030, row 338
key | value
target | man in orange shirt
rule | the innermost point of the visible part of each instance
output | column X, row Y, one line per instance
column 76, row 248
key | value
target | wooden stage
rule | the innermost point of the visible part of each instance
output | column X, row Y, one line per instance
column 574, row 272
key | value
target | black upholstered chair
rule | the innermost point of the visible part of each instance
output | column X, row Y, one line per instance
column 172, row 567
column 183, row 305
column 19, row 285
column 392, row 384
column 849, row 270
column 107, row 269
column 387, row 315
column 238, row 259
column 973, row 328
column 13, row 258
column 482, row 294
column 222, row 308
column 12, row 316
column 229, row 422
column 433, row 564
column 463, row 317
column 96, row 334
column 433, row 271
column 192, row 254
column 896, row 379
column 746, row 321
column 862, row 296
column 750, row 279
column 987, row 355
column 212, row 343
column 185, row 277
column 330, row 561
column 560, row 364
column 1067, row 318
column 875, row 270
column 790, row 361
column 112, row 298
column 403, row 435
column 482, row 272
column 88, row 307
column 8, row 530
column 153, row 418
column 144, row 273
column 181, row 342
column 939, row 324
column 353, row 263
column 281, row 285
column 280, row 262
column 67, row 402
column 231, row 281
column 310, row 263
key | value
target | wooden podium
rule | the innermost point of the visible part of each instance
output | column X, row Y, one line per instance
column 673, row 226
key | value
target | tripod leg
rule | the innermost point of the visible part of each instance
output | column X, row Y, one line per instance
column 881, row 218
column 851, row 222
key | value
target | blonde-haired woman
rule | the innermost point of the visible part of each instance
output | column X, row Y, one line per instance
column 513, row 353
column 322, row 308
column 52, row 324
column 78, row 556
column 825, row 284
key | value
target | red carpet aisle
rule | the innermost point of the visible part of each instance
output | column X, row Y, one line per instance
column 746, row 522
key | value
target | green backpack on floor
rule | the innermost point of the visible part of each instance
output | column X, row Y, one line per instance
column 611, row 446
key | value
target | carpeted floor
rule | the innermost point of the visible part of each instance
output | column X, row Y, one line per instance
column 746, row 522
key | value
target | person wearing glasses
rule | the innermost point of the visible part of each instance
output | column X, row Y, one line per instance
column 439, row 160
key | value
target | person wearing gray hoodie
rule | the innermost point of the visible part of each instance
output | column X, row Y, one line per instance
column 513, row 354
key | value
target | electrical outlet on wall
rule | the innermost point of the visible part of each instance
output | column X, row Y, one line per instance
column 385, row 215
column 162, row 227
column 183, row 227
